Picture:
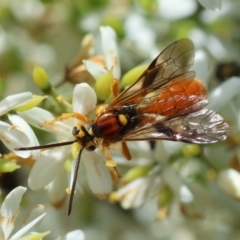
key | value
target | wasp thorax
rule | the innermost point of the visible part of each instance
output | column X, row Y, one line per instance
column 123, row 120
column 107, row 126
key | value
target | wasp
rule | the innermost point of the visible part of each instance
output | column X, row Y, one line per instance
column 165, row 103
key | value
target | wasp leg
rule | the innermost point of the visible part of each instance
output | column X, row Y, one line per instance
column 125, row 151
column 65, row 116
column 115, row 87
column 111, row 164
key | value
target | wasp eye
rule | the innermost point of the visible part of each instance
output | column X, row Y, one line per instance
column 75, row 131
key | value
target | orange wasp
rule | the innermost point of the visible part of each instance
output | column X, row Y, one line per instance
column 166, row 102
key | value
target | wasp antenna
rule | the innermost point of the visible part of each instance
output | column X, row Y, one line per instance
column 45, row 146
column 74, row 181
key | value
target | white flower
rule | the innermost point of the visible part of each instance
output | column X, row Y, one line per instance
column 13, row 101
column 12, row 135
column 110, row 51
column 224, row 93
column 170, row 10
column 75, row 235
column 137, row 192
column 9, row 214
column 48, row 167
column 229, row 181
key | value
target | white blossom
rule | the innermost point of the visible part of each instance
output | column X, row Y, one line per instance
column 49, row 164
column 9, row 213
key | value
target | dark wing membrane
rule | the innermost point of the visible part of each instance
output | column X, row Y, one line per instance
column 203, row 126
column 174, row 61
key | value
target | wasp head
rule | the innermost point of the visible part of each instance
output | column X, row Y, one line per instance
column 84, row 138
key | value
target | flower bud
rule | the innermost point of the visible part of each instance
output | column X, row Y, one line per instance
column 229, row 181
column 40, row 77
column 131, row 76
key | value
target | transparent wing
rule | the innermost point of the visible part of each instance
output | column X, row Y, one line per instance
column 174, row 61
column 169, row 101
column 203, row 126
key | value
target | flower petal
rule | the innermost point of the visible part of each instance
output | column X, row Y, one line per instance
column 23, row 230
column 137, row 192
column 224, row 93
column 33, row 141
column 9, row 209
column 47, row 167
column 94, row 69
column 37, row 116
column 14, row 138
column 57, row 189
column 35, row 212
column 185, row 194
column 75, row 235
column 170, row 10
column 110, row 50
column 132, row 195
column 201, row 66
column 98, row 176
column 11, row 202
column 13, row 101
column 228, row 180
column 84, row 99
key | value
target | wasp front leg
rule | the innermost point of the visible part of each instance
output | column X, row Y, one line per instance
column 66, row 116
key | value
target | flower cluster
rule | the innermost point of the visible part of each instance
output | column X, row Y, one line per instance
column 169, row 175
column 48, row 172
column 9, row 214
